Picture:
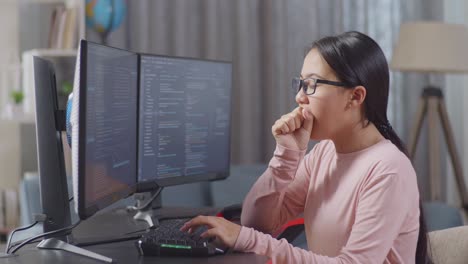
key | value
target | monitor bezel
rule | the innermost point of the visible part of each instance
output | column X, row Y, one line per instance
column 145, row 186
column 84, row 210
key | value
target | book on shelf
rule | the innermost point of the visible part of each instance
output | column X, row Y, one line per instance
column 70, row 34
column 63, row 28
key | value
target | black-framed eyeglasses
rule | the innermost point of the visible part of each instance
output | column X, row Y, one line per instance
column 309, row 85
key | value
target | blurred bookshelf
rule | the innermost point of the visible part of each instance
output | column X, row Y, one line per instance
column 61, row 25
column 45, row 28
column 50, row 24
column 64, row 64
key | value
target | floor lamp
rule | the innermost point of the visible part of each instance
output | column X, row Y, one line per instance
column 432, row 47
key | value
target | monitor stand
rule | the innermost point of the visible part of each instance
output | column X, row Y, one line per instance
column 146, row 203
column 64, row 244
column 54, row 243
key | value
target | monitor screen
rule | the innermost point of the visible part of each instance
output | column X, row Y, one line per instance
column 184, row 120
column 108, row 97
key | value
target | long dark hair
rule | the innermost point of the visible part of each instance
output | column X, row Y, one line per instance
column 358, row 60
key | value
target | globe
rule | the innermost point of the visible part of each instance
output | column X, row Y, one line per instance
column 105, row 16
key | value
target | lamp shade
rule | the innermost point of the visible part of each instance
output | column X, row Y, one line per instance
column 431, row 47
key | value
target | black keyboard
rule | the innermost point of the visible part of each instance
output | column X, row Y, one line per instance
column 167, row 240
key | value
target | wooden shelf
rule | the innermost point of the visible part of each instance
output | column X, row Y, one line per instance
column 51, row 52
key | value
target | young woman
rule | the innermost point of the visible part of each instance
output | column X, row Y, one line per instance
column 356, row 188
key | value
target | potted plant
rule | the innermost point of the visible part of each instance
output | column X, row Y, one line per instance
column 17, row 97
column 14, row 108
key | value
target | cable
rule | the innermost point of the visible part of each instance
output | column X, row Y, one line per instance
column 143, row 207
column 16, row 230
column 38, row 218
column 8, row 247
column 29, row 240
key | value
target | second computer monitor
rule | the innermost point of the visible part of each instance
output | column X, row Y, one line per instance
column 107, row 140
column 185, row 120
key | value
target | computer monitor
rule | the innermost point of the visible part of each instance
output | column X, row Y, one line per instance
column 146, row 122
column 184, row 121
column 107, row 126
column 50, row 122
column 49, row 126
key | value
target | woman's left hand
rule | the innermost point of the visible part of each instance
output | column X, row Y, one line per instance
column 223, row 230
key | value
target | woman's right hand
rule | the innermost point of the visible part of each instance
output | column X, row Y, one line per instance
column 293, row 130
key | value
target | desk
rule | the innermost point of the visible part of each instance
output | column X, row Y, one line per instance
column 122, row 252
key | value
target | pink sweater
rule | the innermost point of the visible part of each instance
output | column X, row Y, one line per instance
column 360, row 207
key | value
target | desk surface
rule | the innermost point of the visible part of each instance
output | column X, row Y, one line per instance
column 121, row 252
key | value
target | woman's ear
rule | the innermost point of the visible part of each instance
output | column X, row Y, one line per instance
column 358, row 94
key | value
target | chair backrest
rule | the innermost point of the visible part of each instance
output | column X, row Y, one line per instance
column 449, row 246
column 217, row 193
column 30, row 202
column 30, row 199
column 187, row 195
column 234, row 189
column 440, row 216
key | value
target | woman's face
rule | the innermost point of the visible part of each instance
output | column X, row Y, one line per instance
column 328, row 104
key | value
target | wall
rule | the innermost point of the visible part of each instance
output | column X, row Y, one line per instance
column 456, row 97
column 8, row 49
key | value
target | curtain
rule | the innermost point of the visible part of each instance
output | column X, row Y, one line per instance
column 266, row 41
